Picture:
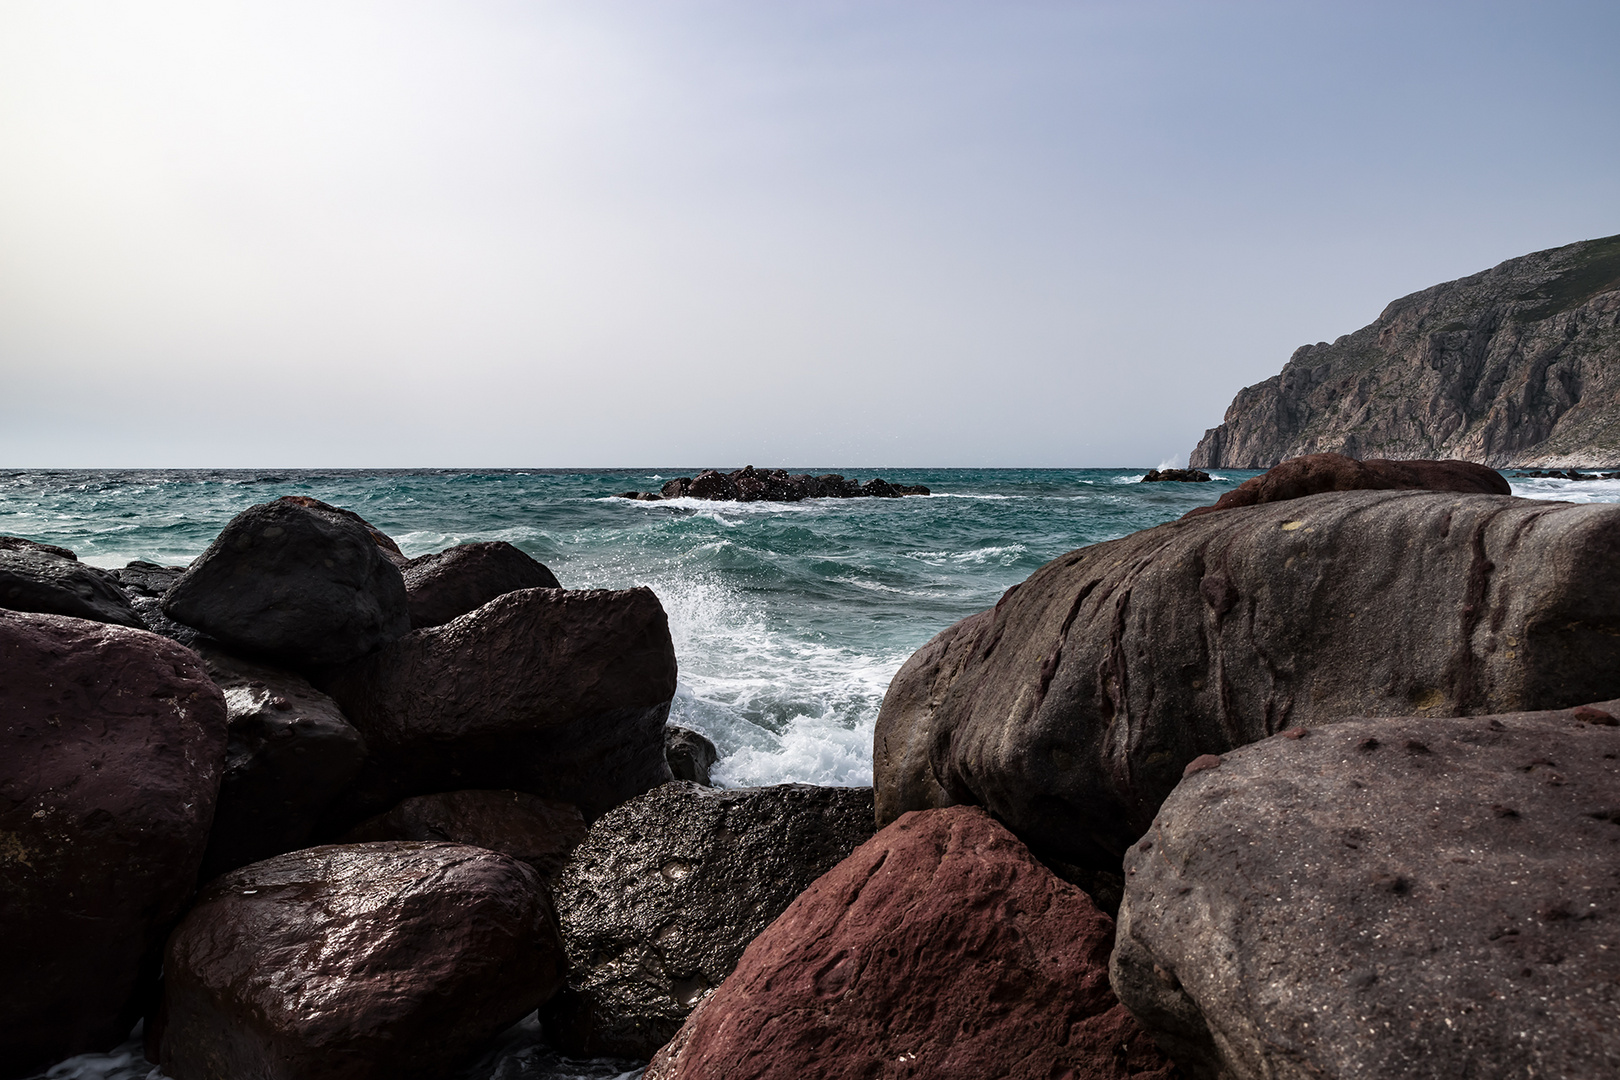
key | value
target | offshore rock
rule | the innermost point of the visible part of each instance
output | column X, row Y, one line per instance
column 559, row 693
column 111, row 746
column 1316, row 473
column 1180, row 476
column 772, row 485
column 667, row 890
column 939, row 949
column 367, row 962
column 51, row 580
column 297, row 581
column 1518, row 365
column 1071, row 708
column 689, row 754
column 1415, row 897
column 288, row 754
column 540, row 832
column 464, row 578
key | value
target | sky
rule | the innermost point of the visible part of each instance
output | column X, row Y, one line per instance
column 486, row 233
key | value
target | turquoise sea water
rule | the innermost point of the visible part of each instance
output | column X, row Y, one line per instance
column 789, row 619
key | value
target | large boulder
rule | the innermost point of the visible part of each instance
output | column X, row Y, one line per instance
column 1413, row 897
column 667, row 890
column 111, row 746
column 540, row 832
column 51, row 580
column 297, row 581
column 1070, row 709
column 389, row 961
column 1313, row 474
column 556, row 693
column 288, row 754
column 939, row 949
column 449, row 584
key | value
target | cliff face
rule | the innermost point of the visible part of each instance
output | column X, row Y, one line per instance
column 1518, row 365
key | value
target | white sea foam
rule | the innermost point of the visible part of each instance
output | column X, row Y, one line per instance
column 1576, row 491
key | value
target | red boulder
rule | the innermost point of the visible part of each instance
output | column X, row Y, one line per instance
column 1313, row 474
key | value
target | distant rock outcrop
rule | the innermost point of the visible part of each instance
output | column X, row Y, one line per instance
column 772, row 485
column 1517, row 365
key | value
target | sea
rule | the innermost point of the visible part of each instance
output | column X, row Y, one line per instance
column 789, row 619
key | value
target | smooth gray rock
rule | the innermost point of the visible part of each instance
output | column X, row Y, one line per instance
column 667, row 890
column 1414, row 897
column 1070, row 709
column 52, row 581
column 689, row 754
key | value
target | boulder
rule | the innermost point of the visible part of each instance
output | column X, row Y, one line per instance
column 1070, row 709
column 667, row 890
column 146, row 584
column 391, row 961
column 689, row 754
column 288, row 754
column 1316, row 473
column 464, row 578
column 294, row 580
column 540, row 832
column 939, row 949
column 51, row 580
column 1181, row 476
column 1416, row 897
column 749, row 484
column 111, row 746
column 553, row 692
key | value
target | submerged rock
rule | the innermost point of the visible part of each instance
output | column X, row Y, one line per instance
column 464, row 578
column 111, row 746
column 667, row 890
column 1414, row 897
column 289, row 753
column 51, row 580
column 689, row 754
column 297, row 581
column 939, row 949
column 540, row 832
column 1316, row 473
column 393, row 961
column 1071, row 708
column 559, row 693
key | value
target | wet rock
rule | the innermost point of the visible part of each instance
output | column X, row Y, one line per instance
column 297, row 581
column 393, row 961
column 111, row 746
column 1413, row 897
column 1316, row 473
column 51, row 580
column 288, row 754
column 559, row 693
column 939, row 949
column 464, row 578
column 1071, row 708
column 146, row 584
column 667, row 890
column 689, row 754
column 540, row 832
column 772, row 485
column 1181, row 476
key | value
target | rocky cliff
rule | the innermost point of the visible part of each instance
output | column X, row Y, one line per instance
column 1517, row 365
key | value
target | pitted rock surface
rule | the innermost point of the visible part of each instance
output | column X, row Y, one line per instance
column 1412, row 897
column 393, row 961
column 667, row 890
column 940, row 949
column 464, row 578
column 559, row 693
column 295, row 581
column 540, row 832
column 112, row 742
column 1071, row 708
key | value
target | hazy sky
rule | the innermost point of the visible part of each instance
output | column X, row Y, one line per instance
column 709, row 233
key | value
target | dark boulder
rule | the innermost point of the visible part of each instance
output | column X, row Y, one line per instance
column 1070, row 709
column 111, row 746
column 288, row 754
column 749, row 484
column 1415, row 897
column 464, row 578
column 297, row 581
column 1316, row 473
column 939, row 949
column 392, row 961
column 710, row 484
column 1179, row 476
column 146, row 584
column 676, row 488
column 51, row 580
column 384, row 542
column 689, row 754
column 560, row 693
column 667, row 890
column 540, row 832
